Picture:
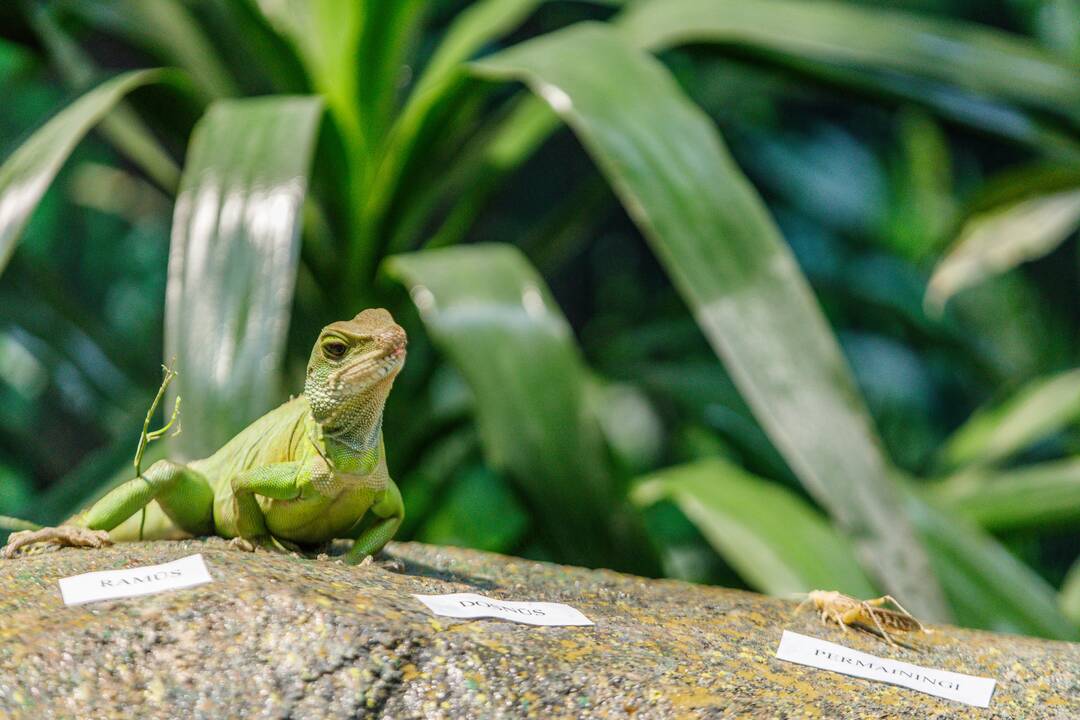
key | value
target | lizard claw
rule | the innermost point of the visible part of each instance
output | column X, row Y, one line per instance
column 387, row 563
column 242, row 544
column 260, row 542
column 65, row 536
column 392, row 564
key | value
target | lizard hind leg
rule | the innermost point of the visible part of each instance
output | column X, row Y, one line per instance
column 183, row 494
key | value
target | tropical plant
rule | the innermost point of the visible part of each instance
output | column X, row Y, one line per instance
column 336, row 152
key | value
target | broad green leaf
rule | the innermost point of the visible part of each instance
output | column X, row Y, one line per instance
column 26, row 175
column 923, row 206
column 987, row 586
column 121, row 126
column 493, row 317
column 388, row 33
column 965, row 55
column 1022, row 182
column 1033, row 412
column 1032, row 497
column 725, row 255
column 326, row 36
column 168, row 30
column 776, row 541
column 510, row 143
column 966, row 107
column 475, row 26
column 233, row 259
column 442, row 107
column 472, row 28
column 996, row 241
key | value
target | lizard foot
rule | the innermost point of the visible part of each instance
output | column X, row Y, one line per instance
column 242, row 544
column 391, row 564
column 260, row 542
column 65, row 535
column 386, row 563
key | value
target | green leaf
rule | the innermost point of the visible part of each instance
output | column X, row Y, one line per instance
column 923, row 207
column 964, row 55
column 1033, row 412
column 986, row 585
column 993, row 242
column 233, row 259
column 776, row 541
column 475, row 26
column 388, row 31
column 725, row 255
column 326, row 36
column 482, row 171
column 471, row 29
column 491, row 314
column 1022, row 182
column 168, row 30
column 26, row 175
column 1033, row 497
column 121, row 126
column 440, row 111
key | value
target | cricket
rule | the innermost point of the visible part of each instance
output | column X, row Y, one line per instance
column 847, row 611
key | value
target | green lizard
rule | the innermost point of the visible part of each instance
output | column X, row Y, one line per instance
column 310, row 471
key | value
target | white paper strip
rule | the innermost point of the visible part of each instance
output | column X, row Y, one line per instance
column 471, row 605
column 825, row 655
column 130, row 582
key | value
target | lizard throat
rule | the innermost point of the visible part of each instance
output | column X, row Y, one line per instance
column 356, row 442
column 354, row 423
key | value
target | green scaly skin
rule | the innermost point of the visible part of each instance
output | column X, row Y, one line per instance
column 306, row 473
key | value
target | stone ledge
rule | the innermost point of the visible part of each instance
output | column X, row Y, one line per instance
column 280, row 636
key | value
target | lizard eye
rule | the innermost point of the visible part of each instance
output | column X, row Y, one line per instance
column 334, row 349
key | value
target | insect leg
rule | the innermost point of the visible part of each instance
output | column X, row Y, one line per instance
column 869, row 610
column 889, row 598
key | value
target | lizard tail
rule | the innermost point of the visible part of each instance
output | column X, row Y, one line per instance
column 10, row 523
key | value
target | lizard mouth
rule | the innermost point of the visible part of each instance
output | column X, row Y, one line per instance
column 375, row 368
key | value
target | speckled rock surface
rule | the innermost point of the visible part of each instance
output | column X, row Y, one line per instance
column 280, row 636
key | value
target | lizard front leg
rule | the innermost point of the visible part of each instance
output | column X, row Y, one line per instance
column 391, row 512
column 280, row 481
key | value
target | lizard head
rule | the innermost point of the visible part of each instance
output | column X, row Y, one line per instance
column 352, row 366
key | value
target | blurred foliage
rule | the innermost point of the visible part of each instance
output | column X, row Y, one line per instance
column 621, row 362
